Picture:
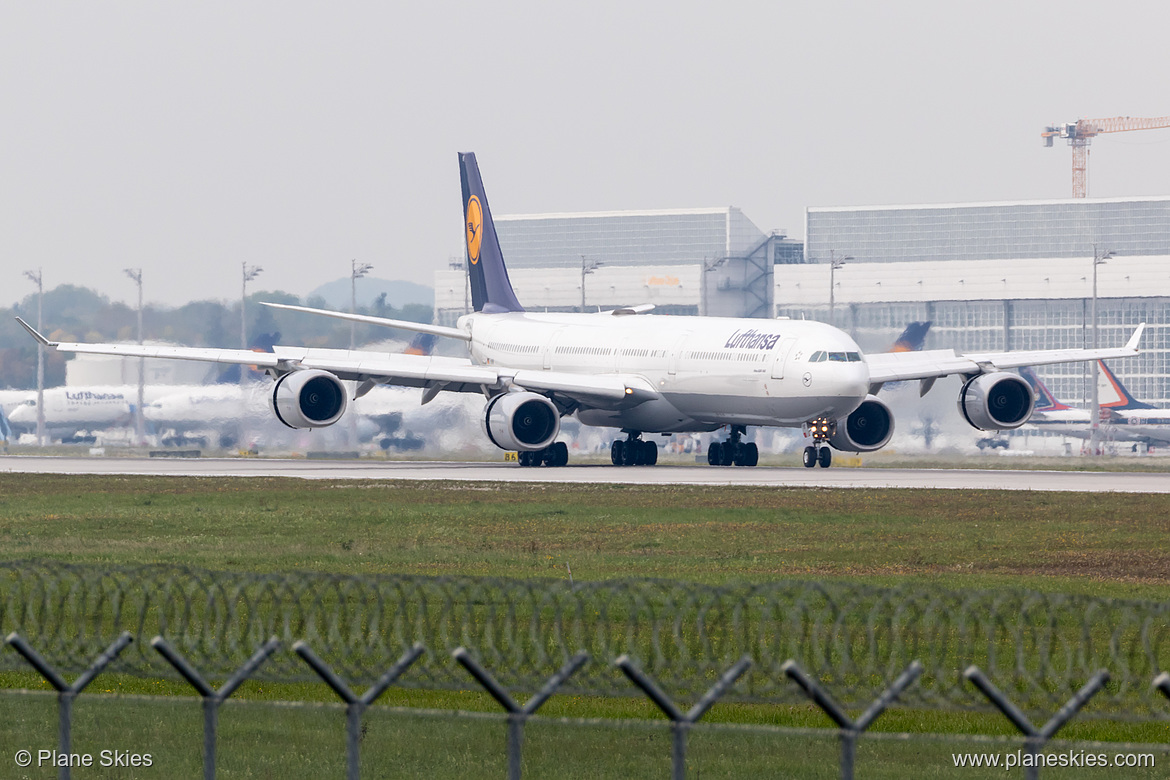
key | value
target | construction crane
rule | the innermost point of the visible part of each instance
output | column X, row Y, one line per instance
column 1080, row 132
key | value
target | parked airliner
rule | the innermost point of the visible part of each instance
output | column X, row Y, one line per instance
column 1123, row 417
column 634, row 371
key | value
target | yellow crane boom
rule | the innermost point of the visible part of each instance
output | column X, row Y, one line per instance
column 1082, row 131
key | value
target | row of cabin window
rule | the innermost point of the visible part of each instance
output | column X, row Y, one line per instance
column 740, row 356
column 821, row 356
column 528, row 348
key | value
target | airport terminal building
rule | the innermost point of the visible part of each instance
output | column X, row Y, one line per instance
column 995, row 276
column 711, row 261
column 990, row 276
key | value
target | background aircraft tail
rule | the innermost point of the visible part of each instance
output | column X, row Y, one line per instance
column 1112, row 394
column 912, row 338
column 231, row 375
column 491, row 290
column 1045, row 400
column 5, row 429
column 421, row 344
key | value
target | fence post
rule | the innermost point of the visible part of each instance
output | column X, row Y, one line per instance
column 66, row 693
column 850, row 729
column 1036, row 738
column 211, row 697
column 680, row 722
column 356, row 705
column 517, row 715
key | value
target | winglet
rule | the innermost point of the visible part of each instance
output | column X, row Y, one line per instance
column 44, row 342
column 1131, row 344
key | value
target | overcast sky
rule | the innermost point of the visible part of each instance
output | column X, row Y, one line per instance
column 187, row 138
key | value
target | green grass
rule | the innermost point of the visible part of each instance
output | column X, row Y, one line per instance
column 1094, row 544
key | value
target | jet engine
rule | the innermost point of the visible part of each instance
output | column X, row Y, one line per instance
column 867, row 428
column 521, row 421
column 308, row 399
column 996, row 402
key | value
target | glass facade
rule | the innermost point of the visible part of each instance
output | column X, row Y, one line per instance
column 625, row 238
column 1050, row 229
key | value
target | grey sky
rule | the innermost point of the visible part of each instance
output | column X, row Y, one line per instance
column 188, row 137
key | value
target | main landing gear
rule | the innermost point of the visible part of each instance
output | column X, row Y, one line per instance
column 633, row 451
column 819, row 453
column 555, row 454
column 733, row 452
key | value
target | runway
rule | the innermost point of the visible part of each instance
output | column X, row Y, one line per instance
column 947, row 479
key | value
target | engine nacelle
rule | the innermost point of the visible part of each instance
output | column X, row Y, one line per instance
column 867, row 428
column 996, row 402
column 309, row 399
column 521, row 421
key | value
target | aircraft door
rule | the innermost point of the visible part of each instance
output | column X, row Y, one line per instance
column 551, row 346
column 780, row 356
column 676, row 353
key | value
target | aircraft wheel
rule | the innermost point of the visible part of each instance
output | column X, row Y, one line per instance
column 752, row 455
column 650, row 456
column 810, row 457
column 714, row 454
column 631, row 454
column 559, row 454
column 616, row 452
column 825, row 457
column 739, row 456
column 524, row 459
column 728, row 450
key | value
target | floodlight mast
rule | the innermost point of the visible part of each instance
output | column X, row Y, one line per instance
column 1099, row 258
column 139, row 425
column 37, row 279
column 357, row 271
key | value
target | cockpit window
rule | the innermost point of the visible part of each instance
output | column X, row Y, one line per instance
column 837, row 357
column 817, row 357
column 854, row 357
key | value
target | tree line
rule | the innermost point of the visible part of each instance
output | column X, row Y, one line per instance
column 72, row 313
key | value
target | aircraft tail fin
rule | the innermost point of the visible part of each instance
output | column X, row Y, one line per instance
column 5, row 428
column 912, row 338
column 421, row 344
column 491, row 290
column 1045, row 400
column 231, row 375
column 1112, row 394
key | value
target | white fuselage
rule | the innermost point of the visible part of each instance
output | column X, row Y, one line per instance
column 1151, row 425
column 708, row 371
column 77, row 408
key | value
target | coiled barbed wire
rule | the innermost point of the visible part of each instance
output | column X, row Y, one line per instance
column 1039, row 648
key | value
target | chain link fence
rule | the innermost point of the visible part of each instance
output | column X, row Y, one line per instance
column 856, row 640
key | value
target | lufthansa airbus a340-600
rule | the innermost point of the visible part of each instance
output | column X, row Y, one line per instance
column 633, row 370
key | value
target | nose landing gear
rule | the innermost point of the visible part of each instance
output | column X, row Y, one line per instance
column 733, row 452
column 819, row 452
column 633, row 451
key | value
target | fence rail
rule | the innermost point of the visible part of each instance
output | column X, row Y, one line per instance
column 855, row 639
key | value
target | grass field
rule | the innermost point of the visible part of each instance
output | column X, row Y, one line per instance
column 1096, row 544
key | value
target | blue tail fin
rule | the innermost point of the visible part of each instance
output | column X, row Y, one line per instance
column 491, row 290
column 1045, row 400
column 912, row 338
column 1112, row 394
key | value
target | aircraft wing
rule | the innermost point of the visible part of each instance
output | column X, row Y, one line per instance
column 897, row 366
column 426, row 371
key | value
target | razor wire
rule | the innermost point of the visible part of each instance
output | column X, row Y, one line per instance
column 854, row 638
